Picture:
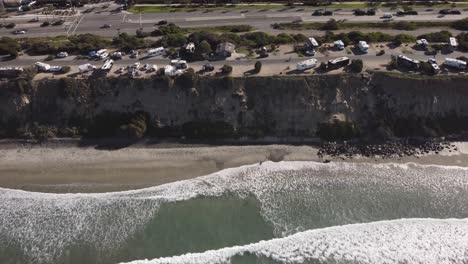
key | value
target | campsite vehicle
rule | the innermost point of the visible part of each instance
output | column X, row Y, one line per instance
column 339, row 44
column 62, row 54
column 423, row 43
column 121, row 70
column 387, row 16
column 407, row 62
column 338, row 63
column 434, row 66
column 453, row 44
column 179, row 64
column 155, row 52
column 19, row 32
column 307, row 64
column 133, row 54
column 116, row 55
column 42, row 66
column 207, row 68
column 363, row 46
column 55, row 69
column 135, row 65
column 146, row 67
column 86, row 67
column 311, row 43
column 454, row 63
column 310, row 52
column 107, row 65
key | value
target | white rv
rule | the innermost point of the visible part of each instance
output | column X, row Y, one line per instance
column 459, row 64
column 42, row 66
column 453, row 44
column 107, row 65
column 179, row 64
column 312, row 43
column 339, row 44
column 363, row 46
column 86, row 67
column 307, row 64
column 422, row 42
column 155, row 52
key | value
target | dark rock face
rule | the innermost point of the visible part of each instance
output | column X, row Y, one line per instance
column 376, row 106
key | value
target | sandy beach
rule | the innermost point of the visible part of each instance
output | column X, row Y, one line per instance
column 86, row 169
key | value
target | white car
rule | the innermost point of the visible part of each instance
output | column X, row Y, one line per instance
column 55, row 68
column 121, row 70
column 146, row 67
column 19, row 32
column 136, row 65
column 62, row 55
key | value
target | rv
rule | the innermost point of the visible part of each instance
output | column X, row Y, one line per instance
column 312, row 43
column 307, row 64
column 179, row 64
column 339, row 45
column 434, row 66
column 338, row 63
column 407, row 62
column 86, row 67
column 42, row 66
column 422, row 43
column 453, row 44
column 155, row 52
column 363, row 46
column 170, row 70
column 107, row 65
column 459, row 64
column 190, row 47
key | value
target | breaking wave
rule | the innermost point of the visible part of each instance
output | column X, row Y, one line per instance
column 294, row 197
column 398, row 241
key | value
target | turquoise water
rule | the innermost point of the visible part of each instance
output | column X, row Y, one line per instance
column 287, row 212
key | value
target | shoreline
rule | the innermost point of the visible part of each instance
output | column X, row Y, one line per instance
column 65, row 168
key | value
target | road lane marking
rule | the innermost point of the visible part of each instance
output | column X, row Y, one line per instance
column 77, row 24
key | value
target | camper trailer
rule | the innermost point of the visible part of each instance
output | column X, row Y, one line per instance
column 453, row 44
column 338, row 63
column 107, row 65
column 363, row 46
column 422, row 43
column 312, row 43
column 155, row 52
column 307, row 64
column 86, row 67
column 407, row 62
column 339, row 45
column 179, row 64
column 454, row 63
column 42, row 66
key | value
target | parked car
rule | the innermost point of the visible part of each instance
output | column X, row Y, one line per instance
column 310, row 52
column 19, row 32
column 136, row 65
column 208, row 68
column 146, row 67
column 133, row 54
column 62, row 55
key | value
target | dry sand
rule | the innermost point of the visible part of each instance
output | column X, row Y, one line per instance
column 78, row 169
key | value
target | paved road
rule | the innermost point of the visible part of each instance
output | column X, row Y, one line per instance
column 261, row 19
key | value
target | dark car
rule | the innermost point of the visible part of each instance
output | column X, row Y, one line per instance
column 208, row 68
column 106, row 26
column 162, row 22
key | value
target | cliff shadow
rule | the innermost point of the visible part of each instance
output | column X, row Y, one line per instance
column 107, row 143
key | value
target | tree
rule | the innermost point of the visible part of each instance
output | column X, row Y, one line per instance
column 9, row 46
column 226, row 69
column 258, row 66
column 356, row 65
column 330, row 25
column 204, row 48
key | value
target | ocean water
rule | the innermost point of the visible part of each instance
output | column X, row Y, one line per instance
column 285, row 212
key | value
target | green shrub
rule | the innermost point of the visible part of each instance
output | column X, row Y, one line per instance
column 330, row 25
column 356, row 66
column 126, row 42
column 226, row 69
column 461, row 24
column 174, row 40
column 258, row 66
column 9, row 46
column 65, row 69
column 10, row 25
column 404, row 25
column 207, row 130
column 442, row 36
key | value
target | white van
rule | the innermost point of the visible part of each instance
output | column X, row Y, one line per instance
column 155, row 52
column 307, row 64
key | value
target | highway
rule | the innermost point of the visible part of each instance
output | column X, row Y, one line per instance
column 260, row 19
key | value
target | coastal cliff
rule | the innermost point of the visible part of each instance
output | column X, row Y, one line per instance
column 345, row 106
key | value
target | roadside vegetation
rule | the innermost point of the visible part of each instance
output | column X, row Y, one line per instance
column 332, row 24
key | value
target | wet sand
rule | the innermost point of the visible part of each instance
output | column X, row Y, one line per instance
column 80, row 169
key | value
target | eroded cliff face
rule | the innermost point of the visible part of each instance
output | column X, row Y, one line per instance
column 277, row 106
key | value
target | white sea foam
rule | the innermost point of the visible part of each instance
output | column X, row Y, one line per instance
column 294, row 196
column 398, row 241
